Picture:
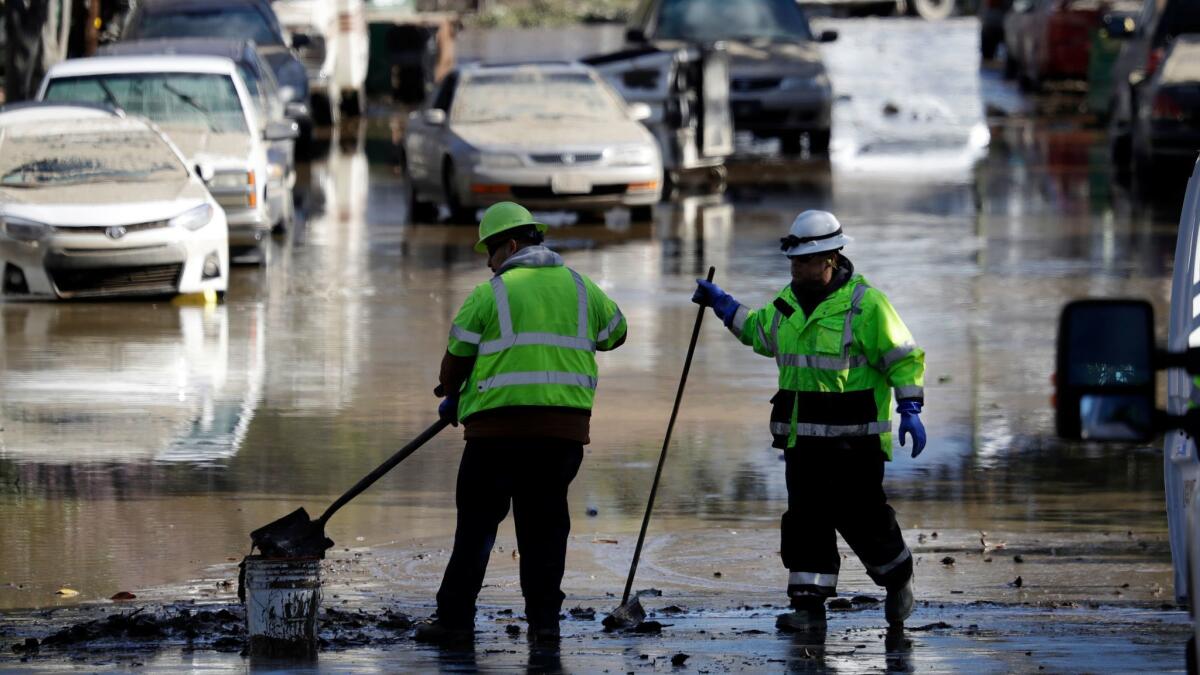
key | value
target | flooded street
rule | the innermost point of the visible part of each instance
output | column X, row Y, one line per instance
column 141, row 442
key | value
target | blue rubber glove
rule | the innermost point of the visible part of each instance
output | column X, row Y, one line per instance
column 709, row 294
column 910, row 423
column 448, row 410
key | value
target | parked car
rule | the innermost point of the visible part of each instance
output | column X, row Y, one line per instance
column 548, row 135
column 1050, row 39
column 102, row 205
column 269, row 105
column 1166, row 128
column 203, row 104
column 335, row 49
column 234, row 19
column 1146, row 41
column 33, row 111
column 778, row 83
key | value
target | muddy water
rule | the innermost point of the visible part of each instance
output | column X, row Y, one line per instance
column 141, row 442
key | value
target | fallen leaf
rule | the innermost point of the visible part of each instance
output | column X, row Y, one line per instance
column 67, row 592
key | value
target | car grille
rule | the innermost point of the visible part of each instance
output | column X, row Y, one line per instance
column 232, row 201
column 544, row 191
column 566, row 157
column 152, row 278
column 754, row 83
column 102, row 229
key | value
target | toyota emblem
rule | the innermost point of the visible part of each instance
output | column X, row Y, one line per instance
column 115, row 232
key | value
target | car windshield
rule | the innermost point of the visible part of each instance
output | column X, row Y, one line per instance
column 72, row 155
column 240, row 23
column 533, row 94
column 747, row 20
column 178, row 99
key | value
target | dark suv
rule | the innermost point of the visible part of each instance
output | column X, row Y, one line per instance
column 778, row 85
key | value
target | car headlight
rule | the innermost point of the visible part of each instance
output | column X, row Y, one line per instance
column 228, row 180
column 20, row 229
column 637, row 155
column 489, row 160
column 818, row 81
column 193, row 219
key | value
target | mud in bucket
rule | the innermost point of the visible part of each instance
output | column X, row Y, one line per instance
column 282, row 597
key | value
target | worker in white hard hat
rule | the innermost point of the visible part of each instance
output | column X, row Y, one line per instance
column 842, row 351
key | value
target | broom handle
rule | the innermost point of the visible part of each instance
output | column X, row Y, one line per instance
column 662, row 456
column 382, row 469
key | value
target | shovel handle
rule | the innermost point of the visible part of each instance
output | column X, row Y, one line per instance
column 382, row 469
column 662, row 456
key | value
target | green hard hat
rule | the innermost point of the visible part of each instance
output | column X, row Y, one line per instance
column 503, row 216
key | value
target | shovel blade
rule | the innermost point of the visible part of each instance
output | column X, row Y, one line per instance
column 627, row 616
column 292, row 536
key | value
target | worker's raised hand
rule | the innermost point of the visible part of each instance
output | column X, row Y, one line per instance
column 448, row 410
column 709, row 294
column 910, row 424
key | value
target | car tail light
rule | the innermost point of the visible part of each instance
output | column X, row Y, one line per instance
column 251, row 190
column 345, row 22
column 1165, row 108
column 1153, row 60
column 489, row 188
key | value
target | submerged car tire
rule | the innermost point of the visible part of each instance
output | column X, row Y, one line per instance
column 324, row 110
column 641, row 214
column 459, row 214
column 818, row 142
column 354, row 102
column 419, row 210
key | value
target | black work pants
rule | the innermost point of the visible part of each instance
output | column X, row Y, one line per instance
column 836, row 486
column 532, row 474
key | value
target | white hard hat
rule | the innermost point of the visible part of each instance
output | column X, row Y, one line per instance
column 813, row 232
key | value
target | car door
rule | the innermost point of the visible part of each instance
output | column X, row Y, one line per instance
column 427, row 140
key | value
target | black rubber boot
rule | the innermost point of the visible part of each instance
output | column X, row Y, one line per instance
column 543, row 634
column 438, row 633
column 808, row 614
column 899, row 604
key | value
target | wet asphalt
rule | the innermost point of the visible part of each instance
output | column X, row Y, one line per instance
column 141, row 442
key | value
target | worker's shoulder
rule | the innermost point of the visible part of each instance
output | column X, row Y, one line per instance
column 872, row 296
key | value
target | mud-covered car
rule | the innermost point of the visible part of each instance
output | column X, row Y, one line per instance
column 547, row 135
column 104, row 205
column 778, row 83
column 203, row 105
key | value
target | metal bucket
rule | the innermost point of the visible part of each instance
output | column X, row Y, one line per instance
column 282, row 598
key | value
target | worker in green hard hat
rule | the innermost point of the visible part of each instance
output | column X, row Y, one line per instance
column 520, row 374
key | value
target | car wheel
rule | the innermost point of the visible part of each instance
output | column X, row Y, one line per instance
column 354, row 102
column 791, row 144
column 818, row 142
column 641, row 214
column 932, row 10
column 459, row 213
column 419, row 210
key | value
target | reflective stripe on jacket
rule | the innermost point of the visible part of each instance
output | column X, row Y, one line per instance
column 534, row 330
column 837, row 367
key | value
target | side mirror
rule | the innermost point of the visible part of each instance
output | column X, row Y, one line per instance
column 205, row 171
column 1118, row 26
column 297, row 111
column 300, row 40
column 285, row 130
column 1106, row 365
column 434, row 116
column 639, row 111
column 635, row 35
column 827, row 36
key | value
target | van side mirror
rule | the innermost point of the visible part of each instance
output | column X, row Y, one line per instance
column 1105, row 371
column 635, row 35
column 827, row 36
column 283, row 130
column 205, row 171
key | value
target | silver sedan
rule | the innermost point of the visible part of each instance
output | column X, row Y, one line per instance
column 550, row 136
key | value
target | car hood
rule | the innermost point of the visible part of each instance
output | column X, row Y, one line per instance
column 103, row 203
column 779, row 59
column 526, row 135
column 199, row 145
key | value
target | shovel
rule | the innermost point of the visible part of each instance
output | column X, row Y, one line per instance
column 296, row 536
column 631, row 613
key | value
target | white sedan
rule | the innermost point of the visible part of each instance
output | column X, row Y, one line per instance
column 100, row 206
column 547, row 135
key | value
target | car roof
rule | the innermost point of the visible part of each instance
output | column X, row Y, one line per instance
column 101, row 65
column 228, row 48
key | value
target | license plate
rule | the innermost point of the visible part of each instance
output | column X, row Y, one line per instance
column 566, row 184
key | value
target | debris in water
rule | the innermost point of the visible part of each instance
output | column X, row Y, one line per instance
column 1018, row 582
column 891, row 109
column 679, row 659
column 921, row 538
column 593, row 511
column 931, row 626
column 512, row 629
column 605, row 541
column 717, row 575
column 582, row 614
column 649, row 593
column 649, row 627
column 30, row 646
column 516, row 554
column 123, row 595
column 1018, row 558
column 988, row 559
column 840, row 603
column 864, row 600
column 943, row 379
column 948, row 560
column 673, row 609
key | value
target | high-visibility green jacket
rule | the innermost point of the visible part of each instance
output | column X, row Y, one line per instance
column 534, row 330
column 837, row 367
